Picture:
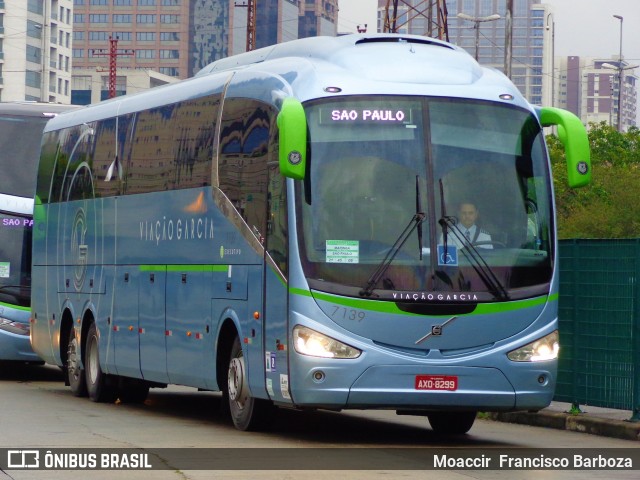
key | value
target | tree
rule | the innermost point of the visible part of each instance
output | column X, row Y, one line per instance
column 608, row 208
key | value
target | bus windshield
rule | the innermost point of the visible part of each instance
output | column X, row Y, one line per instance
column 15, row 261
column 475, row 173
column 19, row 153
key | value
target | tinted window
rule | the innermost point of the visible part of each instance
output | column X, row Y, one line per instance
column 172, row 146
column 247, row 126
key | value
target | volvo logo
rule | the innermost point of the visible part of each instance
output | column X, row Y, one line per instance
column 436, row 330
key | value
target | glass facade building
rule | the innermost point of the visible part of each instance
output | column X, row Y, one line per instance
column 532, row 37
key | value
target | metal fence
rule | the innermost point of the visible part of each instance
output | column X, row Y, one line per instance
column 599, row 316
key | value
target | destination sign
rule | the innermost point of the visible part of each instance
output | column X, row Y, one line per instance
column 365, row 115
column 16, row 222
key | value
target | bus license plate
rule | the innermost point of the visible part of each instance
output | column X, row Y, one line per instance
column 436, row 382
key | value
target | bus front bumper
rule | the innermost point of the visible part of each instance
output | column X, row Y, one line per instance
column 16, row 347
column 398, row 387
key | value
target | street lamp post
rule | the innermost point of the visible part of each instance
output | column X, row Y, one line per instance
column 552, row 26
column 611, row 78
column 620, row 80
column 477, row 21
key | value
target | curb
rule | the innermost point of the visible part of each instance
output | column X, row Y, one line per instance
column 576, row 423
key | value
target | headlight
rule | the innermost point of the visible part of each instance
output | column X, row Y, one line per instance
column 545, row 348
column 315, row 344
column 14, row 327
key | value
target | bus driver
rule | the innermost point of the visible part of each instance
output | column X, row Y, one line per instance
column 466, row 226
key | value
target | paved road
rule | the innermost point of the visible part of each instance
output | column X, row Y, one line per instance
column 38, row 411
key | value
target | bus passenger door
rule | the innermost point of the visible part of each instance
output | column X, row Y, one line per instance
column 275, row 322
column 152, row 326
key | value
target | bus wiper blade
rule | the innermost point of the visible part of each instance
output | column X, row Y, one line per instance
column 375, row 277
column 477, row 260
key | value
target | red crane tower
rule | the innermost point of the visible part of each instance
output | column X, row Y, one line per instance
column 251, row 22
column 113, row 54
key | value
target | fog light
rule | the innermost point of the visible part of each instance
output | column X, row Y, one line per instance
column 543, row 349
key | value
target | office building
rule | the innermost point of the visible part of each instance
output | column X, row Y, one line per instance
column 176, row 37
column 589, row 87
column 91, row 86
column 485, row 38
column 35, row 50
column 318, row 18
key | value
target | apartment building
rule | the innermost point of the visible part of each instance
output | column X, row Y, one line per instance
column 35, row 50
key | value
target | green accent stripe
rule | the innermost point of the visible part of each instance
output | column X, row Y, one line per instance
column 152, row 268
column 391, row 307
column 184, row 268
column 16, row 307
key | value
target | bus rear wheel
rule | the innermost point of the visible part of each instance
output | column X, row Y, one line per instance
column 247, row 412
column 451, row 423
column 75, row 374
column 99, row 387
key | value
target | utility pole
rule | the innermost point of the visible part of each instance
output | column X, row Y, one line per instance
column 477, row 21
column 508, row 36
column 251, row 7
column 435, row 11
column 620, row 78
column 113, row 54
column 44, row 50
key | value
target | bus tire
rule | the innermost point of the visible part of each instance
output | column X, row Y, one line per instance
column 99, row 387
column 451, row 423
column 248, row 413
column 73, row 370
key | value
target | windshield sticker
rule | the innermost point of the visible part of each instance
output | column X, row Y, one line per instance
column 343, row 251
column 5, row 269
column 448, row 257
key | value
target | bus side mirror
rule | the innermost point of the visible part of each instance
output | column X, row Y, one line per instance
column 573, row 136
column 292, row 124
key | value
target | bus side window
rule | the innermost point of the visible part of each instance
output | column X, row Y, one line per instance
column 104, row 156
column 72, row 177
column 172, row 146
column 244, row 154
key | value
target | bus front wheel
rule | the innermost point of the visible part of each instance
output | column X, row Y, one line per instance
column 98, row 385
column 451, row 423
column 247, row 412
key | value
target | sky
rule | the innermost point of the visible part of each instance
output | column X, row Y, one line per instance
column 583, row 27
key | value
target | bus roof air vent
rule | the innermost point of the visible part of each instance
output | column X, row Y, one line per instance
column 408, row 39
